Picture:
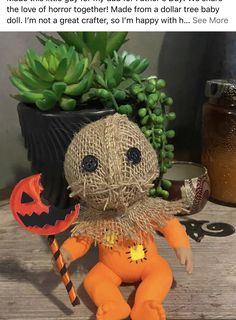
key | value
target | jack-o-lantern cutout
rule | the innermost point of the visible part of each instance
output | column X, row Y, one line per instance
column 36, row 217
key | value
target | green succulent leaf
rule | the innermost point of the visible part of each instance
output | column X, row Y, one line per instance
column 115, row 41
column 61, row 51
column 144, row 63
column 134, row 65
column 90, row 78
column 100, row 44
column 31, row 57
column 125, row 84
column 76, row 72
column 33, row 82
column 79, row 88
column 118, row 74
column 45, row 105
column 85, row 69
column 42, row 72
column 74, row 39
column 110, row 70
column 48, row 102
column 116, row 57
column 51, row 64
column 59, row 88
column 50, row 96
column 50, row 47
column 61, row 70
column 67, row 104
column 29, row 97
column 18, row 83
column 100, row 78
column 96, row 42
column 71, row 56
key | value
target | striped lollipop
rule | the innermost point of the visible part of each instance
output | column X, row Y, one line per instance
column 36, row 217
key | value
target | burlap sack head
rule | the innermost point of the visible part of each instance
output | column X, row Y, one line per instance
column 110, row 164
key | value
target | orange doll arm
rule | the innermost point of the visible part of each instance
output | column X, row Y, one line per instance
column 76, row 247
column 175, row 234
column 177, row 238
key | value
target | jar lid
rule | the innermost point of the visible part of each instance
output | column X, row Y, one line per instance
column 220, row 88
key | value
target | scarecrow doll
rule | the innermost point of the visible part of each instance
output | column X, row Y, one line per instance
column 110, row 166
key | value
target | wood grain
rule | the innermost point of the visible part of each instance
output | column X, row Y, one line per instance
column 31, row 290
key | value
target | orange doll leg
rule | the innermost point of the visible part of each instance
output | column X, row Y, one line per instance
column 156, row 282
column 102, row 285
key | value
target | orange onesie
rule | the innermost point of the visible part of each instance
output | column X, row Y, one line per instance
column 129, row 263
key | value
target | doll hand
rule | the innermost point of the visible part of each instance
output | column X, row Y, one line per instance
column 185, row 257
column 66, row 257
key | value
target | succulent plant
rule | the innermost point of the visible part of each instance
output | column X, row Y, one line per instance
column 96, row 46
column 86, row 67
column 59, row 76
column 133, row 64
column 114, row 79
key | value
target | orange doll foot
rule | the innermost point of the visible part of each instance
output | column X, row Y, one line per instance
column 113, row 311
column 150, row 310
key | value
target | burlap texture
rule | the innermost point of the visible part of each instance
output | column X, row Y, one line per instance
column 115, row 184
column 140, row 221
column 114, row 197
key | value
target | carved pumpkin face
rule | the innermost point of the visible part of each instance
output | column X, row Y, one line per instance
column 33, row 215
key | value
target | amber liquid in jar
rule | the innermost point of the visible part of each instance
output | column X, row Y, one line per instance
column 219, row 148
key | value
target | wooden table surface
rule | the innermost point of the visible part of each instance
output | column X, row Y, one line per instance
column 29, row 289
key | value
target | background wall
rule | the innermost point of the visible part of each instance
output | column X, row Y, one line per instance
column 186, row 61
column 13, row 158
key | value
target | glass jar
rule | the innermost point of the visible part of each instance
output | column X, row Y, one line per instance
column 219, row 139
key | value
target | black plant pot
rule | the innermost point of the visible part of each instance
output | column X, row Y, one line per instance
column 47, row 136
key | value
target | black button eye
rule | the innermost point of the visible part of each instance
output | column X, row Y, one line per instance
column 89, row 163
column 134, row 155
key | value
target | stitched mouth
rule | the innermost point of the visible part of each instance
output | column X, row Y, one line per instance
column 142, row 187
column 51, row 218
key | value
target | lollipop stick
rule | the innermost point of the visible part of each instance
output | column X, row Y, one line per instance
column 63, row 270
